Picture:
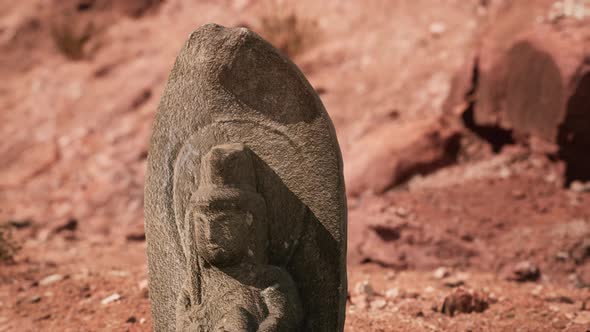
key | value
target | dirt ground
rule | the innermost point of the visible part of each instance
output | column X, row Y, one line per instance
column 496, row 235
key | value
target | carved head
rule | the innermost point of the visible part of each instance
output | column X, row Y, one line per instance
column 227, row 211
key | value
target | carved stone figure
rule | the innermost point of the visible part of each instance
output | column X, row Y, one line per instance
column 233, row 287
column 245, row 208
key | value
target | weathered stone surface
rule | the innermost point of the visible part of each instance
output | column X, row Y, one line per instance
column 245, row 206
column 534, row 83
column 390, row 154
column 508, row 20
column 548, row 93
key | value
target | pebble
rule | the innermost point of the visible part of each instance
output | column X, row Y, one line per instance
column 580, row 187
column 437, row 28
column 110, row 299
column 117, row 273
column 392, row 293
column 537, row 290
column 441, row 272
column 143, row 284
column 525, row 271
column 505, row 173
column 562, row 256
column 518, row 194
column 365, row 288
column 401, row 212
column 360, row 301
column 551, row 178
column 51, row 279
column 464, row 301
column 378, row 304
column 35, row 299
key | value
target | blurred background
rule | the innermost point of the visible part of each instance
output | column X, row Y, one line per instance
column 464, row 127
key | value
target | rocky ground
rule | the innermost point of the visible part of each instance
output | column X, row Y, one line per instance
column 453, row 225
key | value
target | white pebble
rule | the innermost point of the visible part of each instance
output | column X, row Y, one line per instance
column 111, row 298
column 51, row 279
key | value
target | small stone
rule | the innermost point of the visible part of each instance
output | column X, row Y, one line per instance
column 464, row 301
column 51, row 279
column 35, row 299
column 360, row 301
column 518, row 194
column 551, row 178
column 505, row 173
column 562, row 256
column 441, row 272
column 437, row 28
column 43, row 235
column 378, row 304
column 143, row 284
column 525, row 271
column 364, row 288
column 141, row 320
column 580, row 187
column 392, row 293
column 537, row 290
column 110, row 299
column 493, row 298
column 401, row 212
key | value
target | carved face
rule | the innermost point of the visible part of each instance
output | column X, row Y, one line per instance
column 222, row 236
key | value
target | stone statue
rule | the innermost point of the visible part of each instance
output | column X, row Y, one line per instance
column 245, row 207
column 227, row 230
